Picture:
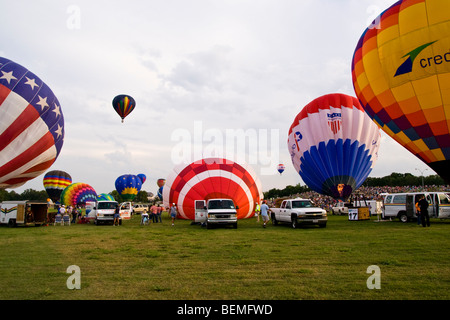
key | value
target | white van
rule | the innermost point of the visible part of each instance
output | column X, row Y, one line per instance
column 101, row 211
column 402, row 205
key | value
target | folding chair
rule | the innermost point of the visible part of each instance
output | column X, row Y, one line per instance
column 66, row 219
column 58, row 219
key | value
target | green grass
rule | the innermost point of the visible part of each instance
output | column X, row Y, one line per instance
column 190, row 262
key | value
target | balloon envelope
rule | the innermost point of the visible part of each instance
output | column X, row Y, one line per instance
column 281, row 168
column 401, row 75
column 55, row 182
column 78, row 193
column 105, row 197
column 143, row 177
column 123, row 104
column 31, row 125
column 333, row 145
column 128, row 186
column 212, row 178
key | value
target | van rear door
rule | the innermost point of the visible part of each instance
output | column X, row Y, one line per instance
column 200, row 211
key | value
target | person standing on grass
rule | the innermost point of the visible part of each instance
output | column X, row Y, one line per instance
column 265, row 213
column 173, row 213
column 425, row 217
column 418, row 210
column 257, row 211
column 159, row 213
column 116, row 215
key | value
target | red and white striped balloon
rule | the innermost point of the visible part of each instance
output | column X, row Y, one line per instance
column 212, row 178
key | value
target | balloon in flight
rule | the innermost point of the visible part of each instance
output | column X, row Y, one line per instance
column 333, row 145
column 281, row 168
column 401, row 75
column 123, row 104
column 31, row 125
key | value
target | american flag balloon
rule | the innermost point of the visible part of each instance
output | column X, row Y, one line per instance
column 31, row 125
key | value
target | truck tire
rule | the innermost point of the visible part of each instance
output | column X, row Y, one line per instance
column 274, row 220
column 12, row 223
column 403, row 217
column 294, row 223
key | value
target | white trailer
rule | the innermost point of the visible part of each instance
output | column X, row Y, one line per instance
column 26, row 212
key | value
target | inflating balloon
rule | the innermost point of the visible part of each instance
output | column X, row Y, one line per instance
column 128, row 186
column 31, row 125
column 212, row 178
column 55, row 182
column 160, row 184
column 123, row 104
column 333, row 145
column 77, row 194
column 105, row 197
column 143, row 177
column 401, row 75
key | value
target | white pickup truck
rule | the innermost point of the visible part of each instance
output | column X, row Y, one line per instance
column 299, row 211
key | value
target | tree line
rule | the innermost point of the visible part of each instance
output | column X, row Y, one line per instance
column 393, row 180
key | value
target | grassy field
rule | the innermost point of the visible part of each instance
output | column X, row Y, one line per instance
column 190, row 262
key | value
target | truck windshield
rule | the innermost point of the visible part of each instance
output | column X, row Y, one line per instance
column 220, row 204
column 301, row 204
column 107, row 205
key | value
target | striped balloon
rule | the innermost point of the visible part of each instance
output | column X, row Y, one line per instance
column 123, row 104
column 334, row 145
column 31, row 125
column 105, row 197
column 78, row 193
column 55, row 182
column 212, row 178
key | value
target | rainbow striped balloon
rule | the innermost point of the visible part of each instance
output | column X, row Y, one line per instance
column 78, row 193
column 123, row 104
column 55, row 182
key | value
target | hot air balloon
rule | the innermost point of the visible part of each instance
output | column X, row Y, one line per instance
column 333, row 145
column 77, row 194
column 123, row 104
column 281, row 168
column 128, row 186
column 143, row 177
column 401, row 75
column 212, row 178
column 105, row 197
column 160, row 184
column 31, row 125
column 55, row 182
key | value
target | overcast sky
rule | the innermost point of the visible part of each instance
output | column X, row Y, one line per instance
column 198, row 69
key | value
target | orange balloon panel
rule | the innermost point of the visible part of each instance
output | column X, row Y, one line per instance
column 401, row 75
column 212, row 178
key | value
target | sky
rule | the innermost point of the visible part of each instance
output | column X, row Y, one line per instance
column 204, row 73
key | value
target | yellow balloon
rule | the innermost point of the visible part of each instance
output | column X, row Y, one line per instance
column 401, row 75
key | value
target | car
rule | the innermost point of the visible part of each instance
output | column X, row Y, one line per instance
column 140, row 208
